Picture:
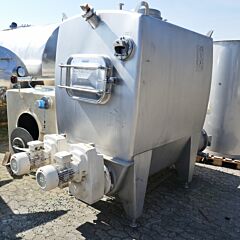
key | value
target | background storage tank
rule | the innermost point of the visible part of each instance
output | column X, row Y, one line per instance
column 223, row 115
column 9, row 62
column 32, row 48
column 27, row 57
column 131, row 97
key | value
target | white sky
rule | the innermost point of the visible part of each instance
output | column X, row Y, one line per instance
column 221, row 15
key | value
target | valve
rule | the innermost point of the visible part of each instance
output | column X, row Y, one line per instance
column 90, row 15
column 43, row 103
column 14, row 79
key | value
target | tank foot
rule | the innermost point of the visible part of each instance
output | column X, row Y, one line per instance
column 133, row 223
column 134, row 187
column 186, row 162
column 69, row 193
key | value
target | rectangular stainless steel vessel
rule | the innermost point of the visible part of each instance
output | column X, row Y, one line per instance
column 150, row 108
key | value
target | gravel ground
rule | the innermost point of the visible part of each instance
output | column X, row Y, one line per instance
column 209, row 209
column 3, row 138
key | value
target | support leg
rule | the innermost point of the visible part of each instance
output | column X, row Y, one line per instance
column 134, row 187
column 186, row 161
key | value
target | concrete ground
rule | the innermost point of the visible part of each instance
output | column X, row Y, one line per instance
column 209, row 209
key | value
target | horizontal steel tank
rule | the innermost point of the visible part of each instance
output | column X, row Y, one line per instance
column 9, row 62
column 222, row 119
column 32, row 48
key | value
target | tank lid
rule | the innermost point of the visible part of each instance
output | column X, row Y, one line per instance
column 152, row 12
column 227, row 41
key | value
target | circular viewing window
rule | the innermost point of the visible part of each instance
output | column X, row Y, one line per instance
column 28, row 122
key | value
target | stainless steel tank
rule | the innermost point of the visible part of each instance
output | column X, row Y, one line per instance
column 9, row 62
column 223, row 115
column 137, row 87
column 32, row 48
column 31, row 115
column 131, row 99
